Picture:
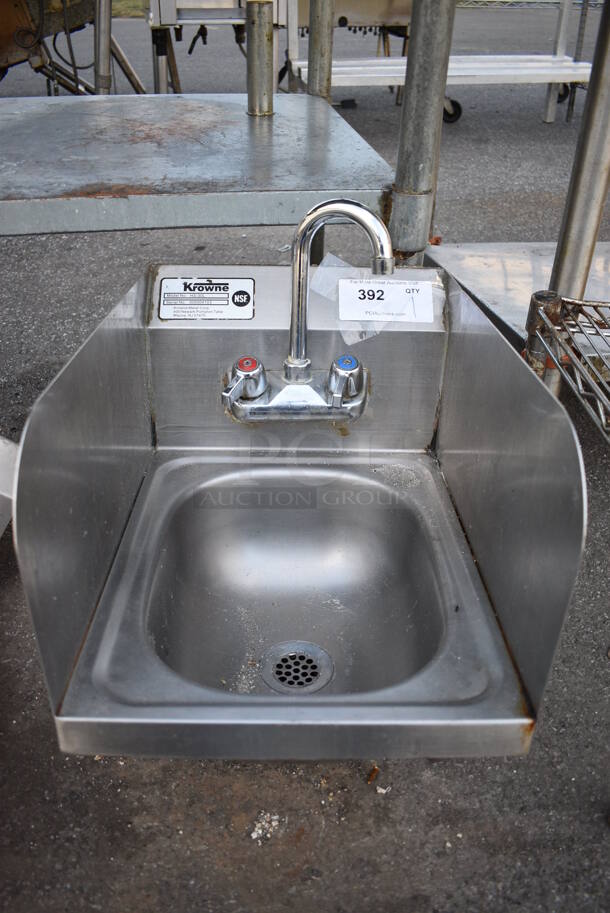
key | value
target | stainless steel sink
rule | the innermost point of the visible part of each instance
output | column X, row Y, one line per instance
column 333, row 559
column 202, row 586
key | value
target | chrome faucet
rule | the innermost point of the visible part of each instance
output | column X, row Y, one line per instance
column 301, row 392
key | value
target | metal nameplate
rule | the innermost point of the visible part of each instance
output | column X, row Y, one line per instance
column 206, row 298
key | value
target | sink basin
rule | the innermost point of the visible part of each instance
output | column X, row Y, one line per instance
column 267, row 556
column 389, row 587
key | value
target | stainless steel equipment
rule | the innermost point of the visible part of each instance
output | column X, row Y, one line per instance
column 259, row 37
column 303, row 393
column 414, row 189
column 556, row 69
column 221, row 589
column 215, row 166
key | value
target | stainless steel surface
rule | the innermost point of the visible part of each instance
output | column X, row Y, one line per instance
column 297, row 363
column 335, row 394
column 330, row 555
column 84, row 452
column 367, row 561
column 504, row 275
column 590, row 177
column 243, row 539
column 320, row 47
column 8, row 463
column 420, row 126
column 309, row 401
column 190, row 358
column 176, row 161
column 575, row 335
column 259, row 44
column 357, row 12
column 103, row 32
column 215, row 12
column 514, row 469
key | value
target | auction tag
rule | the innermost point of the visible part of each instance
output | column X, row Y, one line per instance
column 202, row 298
column 386, row 300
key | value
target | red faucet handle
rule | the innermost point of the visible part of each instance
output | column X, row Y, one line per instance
column 247, row 364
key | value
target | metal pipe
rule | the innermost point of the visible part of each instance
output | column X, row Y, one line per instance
column 160, row 69
column 320, row 49
column 172, row 66
column 590, row 177
column 259, row 46
column 319, row 77
column 103, row 31
column 580, row 40
column 420, row 126
column 292, row 42
column 296, row 366
column 128, row 71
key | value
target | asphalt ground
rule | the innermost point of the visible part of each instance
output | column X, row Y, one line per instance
column 113, row 834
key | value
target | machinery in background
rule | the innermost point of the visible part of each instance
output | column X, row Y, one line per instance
column 29, row 31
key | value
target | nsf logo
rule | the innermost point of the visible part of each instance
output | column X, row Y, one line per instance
column 241, row 299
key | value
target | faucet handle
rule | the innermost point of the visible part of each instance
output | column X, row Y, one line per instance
column 345, row 379
column 247, row 381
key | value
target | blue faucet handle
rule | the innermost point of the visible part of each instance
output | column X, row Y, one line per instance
column 347, row 362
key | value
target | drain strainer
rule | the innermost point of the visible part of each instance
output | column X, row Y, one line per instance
column 297, row 667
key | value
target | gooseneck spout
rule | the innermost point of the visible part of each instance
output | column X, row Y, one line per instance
column 297, row 364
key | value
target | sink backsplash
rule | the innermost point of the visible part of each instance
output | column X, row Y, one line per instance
column 189, row 359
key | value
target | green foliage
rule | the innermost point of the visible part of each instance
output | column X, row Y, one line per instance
column 125, row 9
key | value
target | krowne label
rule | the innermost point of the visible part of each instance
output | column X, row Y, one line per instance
column 202, row 298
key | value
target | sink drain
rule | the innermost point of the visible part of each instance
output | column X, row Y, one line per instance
column 297, row 667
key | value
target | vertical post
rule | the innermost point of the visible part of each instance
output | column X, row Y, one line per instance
column 590, row 177
column 580, row 40
column 103, row 31
column 561, row 41
column 292, row 40
column 276, row 58
column 420, row 126
column 320, row 51
column 160, row 67
column 319, row 77
column 259, row 46
column 172, row 66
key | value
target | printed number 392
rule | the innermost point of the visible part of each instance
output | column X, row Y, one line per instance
column 370, row 293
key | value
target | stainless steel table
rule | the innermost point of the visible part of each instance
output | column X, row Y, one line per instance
column 504, row 275
column 122, row 162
